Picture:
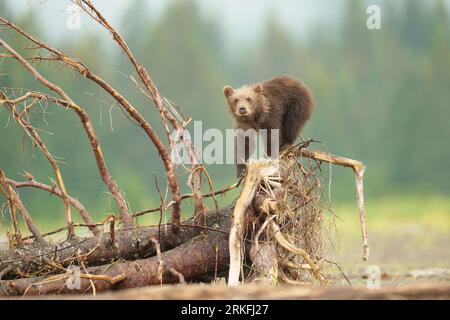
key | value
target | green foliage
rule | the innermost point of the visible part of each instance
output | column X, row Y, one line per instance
column 381, row 96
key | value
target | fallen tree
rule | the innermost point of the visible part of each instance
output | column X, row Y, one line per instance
column 124, row 244
column 201, row 257
column 272, row 234
column 143, row 256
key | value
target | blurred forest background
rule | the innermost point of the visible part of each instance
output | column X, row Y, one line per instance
column 382, row 96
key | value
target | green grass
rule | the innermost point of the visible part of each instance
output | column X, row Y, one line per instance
column 387, row 213
column 405, row 232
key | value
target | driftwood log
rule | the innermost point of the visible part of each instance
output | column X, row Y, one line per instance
column 196, row 253
column 141, row 256
column 128, row 244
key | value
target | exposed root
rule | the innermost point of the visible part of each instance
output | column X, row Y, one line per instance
column 258, row 172
column 291, row 248
column 287, row 211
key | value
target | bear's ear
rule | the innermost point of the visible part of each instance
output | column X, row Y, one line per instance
column 258, row 88
column 227, row 91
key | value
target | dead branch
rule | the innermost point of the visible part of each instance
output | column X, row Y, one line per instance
column 165, row 115
column 34, row 135
column 191, row 195
column 15, row 199
column 84, row 118
column 362, row 214
column 92, row 11
column 131, row 110
column 359, row 168
column 55, row 190
column 331, row 158
column 12, row 210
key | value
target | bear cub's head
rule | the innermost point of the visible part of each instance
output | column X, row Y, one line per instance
column 244, row 103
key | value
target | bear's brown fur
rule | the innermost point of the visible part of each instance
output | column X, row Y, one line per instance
column 282, row 103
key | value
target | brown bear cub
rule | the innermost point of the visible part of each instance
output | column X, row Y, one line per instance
column 282, row 103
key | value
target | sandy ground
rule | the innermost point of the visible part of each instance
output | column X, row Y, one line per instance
column 404, row 254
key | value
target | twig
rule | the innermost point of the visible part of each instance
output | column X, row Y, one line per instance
column 211, row 188
column 82, row 69
column 159, row 255
column 55, row 190
column 23, row 211
column 95, row 146
column 83, row 265
column 293, row 265
column 195, row 173
column 12, row 210
column 160, row 207
column 75, row 225
column 326, row 157
column 191, row 195
column 34, row 135
column 359, row 169
column 111, row 280
column 340, row 270
column 362, row 214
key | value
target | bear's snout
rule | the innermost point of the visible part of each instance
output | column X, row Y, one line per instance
column 242, row 110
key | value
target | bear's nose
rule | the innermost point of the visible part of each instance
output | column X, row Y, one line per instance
column 242, row 110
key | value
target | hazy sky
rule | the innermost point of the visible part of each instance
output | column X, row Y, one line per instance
column 239, row 19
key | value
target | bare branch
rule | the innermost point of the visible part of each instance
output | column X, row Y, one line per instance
column 327, row 157
column 12, row 210
column 34, row 135
column 359, row 168
column 55, row 190
column 14, row 197
column 191, row 195
column 95, row 145
column 131, row 110
column 156, row 97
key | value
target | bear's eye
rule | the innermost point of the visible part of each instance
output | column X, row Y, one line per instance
column 236, row 100
column 248, row 99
